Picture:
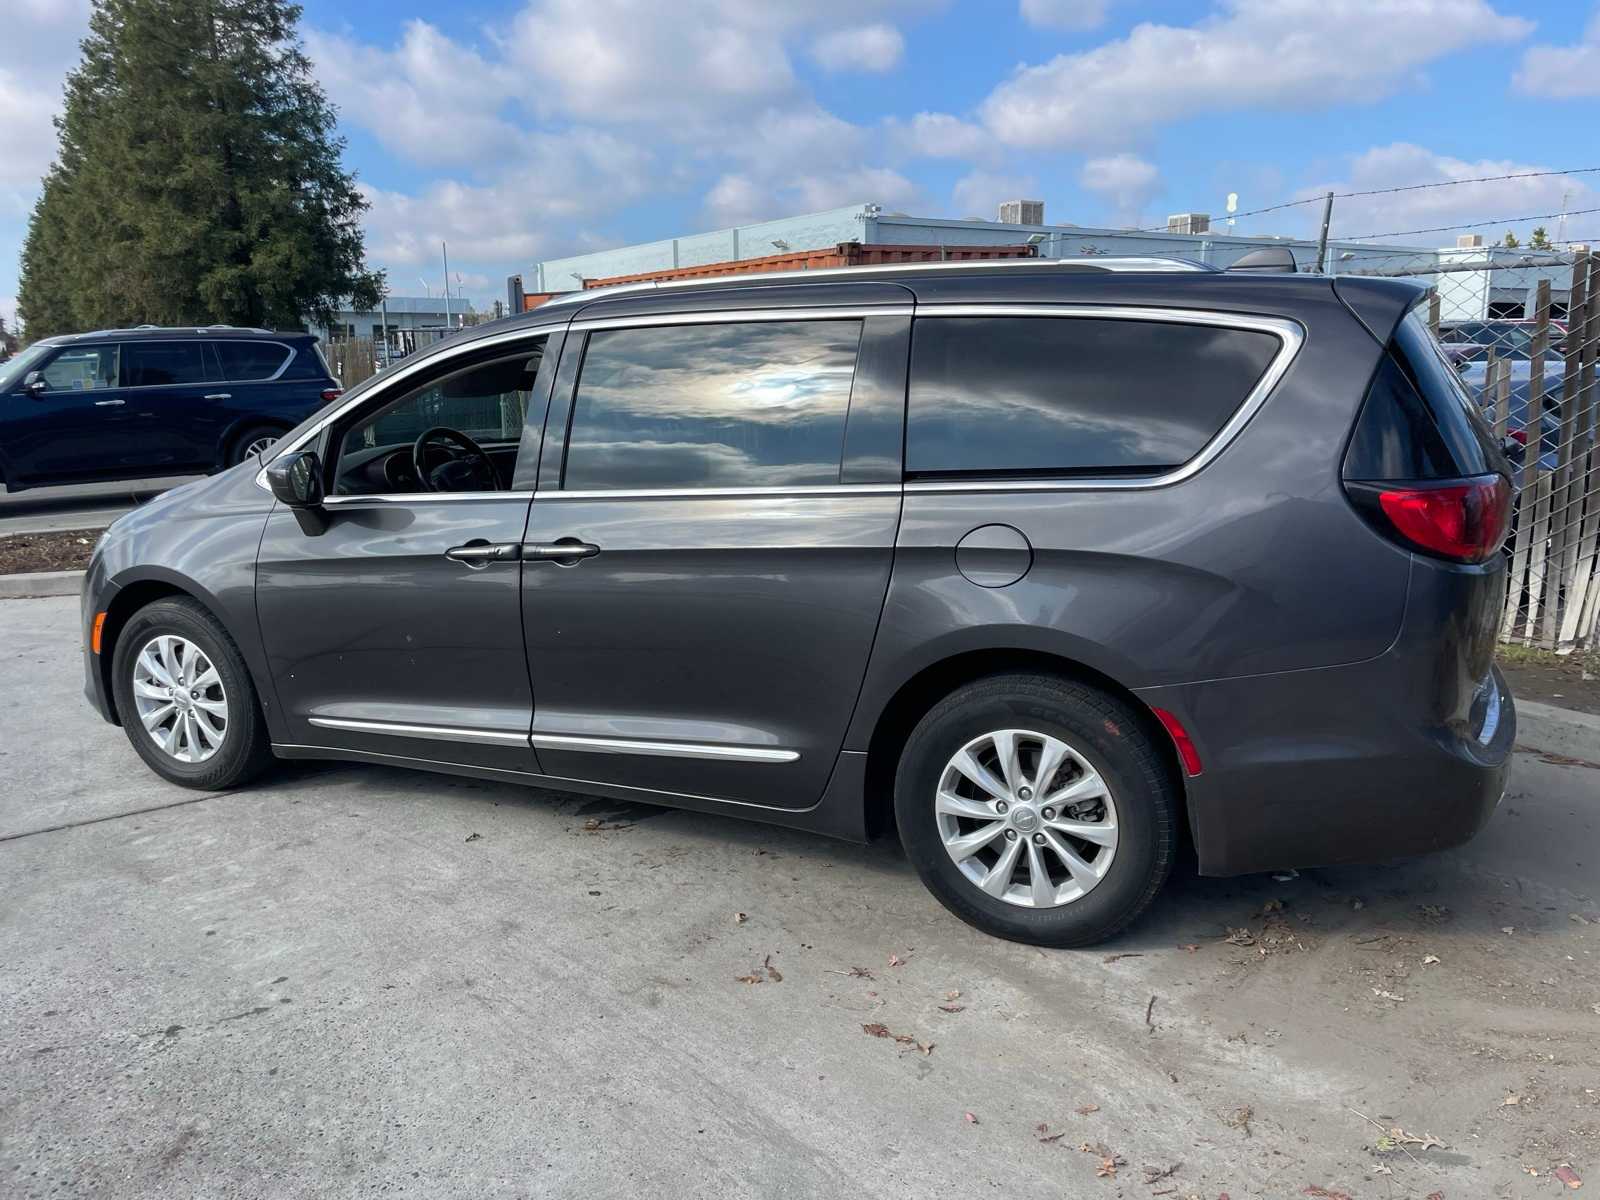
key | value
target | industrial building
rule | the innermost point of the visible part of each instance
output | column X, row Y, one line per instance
column 1483, row 281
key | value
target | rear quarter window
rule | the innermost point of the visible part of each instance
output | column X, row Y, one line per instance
column 244, row 362
column 1007, row 395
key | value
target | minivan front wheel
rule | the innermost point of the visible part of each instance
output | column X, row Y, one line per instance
column 186, row 698
column 1037, row 809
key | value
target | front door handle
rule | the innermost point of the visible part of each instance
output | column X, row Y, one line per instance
column 566, row 550
column 220, row 396
column 479, row 553
column 109, row 403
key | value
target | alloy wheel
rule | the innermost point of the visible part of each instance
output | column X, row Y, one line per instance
column 1026, row 818
column 258, row 445
column 181, row 701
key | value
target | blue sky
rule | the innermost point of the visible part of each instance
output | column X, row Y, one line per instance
column 538, row 128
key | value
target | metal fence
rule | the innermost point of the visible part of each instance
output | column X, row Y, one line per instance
column 1522, row 331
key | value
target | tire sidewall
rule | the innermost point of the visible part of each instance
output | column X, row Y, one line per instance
column 1113, row 745
column 234, row 759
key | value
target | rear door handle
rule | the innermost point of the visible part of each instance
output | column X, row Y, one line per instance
column 479, row 553
column 108, row 403
column 220, row 396
column 566, row 550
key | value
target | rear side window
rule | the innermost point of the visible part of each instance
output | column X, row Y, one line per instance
column 1417, row 421
column 307, row 362
column 1072, row 395
column 153, row 364
column 745, row 404
column 244, row 362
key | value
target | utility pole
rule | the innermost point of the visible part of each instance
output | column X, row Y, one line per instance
column 385, row 326
column 445, row 250
column 1322, row 238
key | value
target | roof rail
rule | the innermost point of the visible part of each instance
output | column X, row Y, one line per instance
column 1106, row 263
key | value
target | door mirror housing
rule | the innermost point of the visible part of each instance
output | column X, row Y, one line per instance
column 296, row 480
column 35, row 385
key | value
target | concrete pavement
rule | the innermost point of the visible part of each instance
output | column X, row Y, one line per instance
column 77, row 506
column 352, row 980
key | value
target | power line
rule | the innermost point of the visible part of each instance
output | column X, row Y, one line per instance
column 1410, row 187
column 1470, row 225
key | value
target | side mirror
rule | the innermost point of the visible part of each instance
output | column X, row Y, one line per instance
column 296, row 480
column 35, row 385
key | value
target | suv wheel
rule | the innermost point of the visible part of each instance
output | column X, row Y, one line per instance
column 1037, row 809
column 252, row 442
column 186, row 698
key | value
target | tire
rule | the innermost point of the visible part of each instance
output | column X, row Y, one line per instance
column 1134, row 817
column 248, row 442
column 226, row 744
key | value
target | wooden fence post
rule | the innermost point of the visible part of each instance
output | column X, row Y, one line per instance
column 1560, row 491
column 1583, row 344
column 1527, row 555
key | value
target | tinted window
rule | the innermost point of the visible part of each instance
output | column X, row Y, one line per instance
column 753, row 404
column 148, row 364
column 1470, row 441
column 82, row 368
column 1395, row 436
column 244, row 361
column 1057, row 395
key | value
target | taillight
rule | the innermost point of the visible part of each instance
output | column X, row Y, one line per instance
column 329, row 395
column 1519, row 436
column 1460, row 519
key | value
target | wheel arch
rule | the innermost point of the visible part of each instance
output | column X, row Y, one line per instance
column 917, row 694
column 240, row 429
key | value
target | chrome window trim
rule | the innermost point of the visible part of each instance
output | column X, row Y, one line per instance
column 434, row 733
column 711, row 750
column 738, row 316
column 420, row 497
column 288, row 357
column 1291, row 336
column 721, row 493
column 406, row 370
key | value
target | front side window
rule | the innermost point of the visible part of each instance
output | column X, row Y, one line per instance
column 246, row 362
column 82, row 368
column 486, row 403
column 1072, row 395
column 744, row 404
column 163, row 364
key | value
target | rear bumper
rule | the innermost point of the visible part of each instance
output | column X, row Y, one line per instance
column 1353, row 764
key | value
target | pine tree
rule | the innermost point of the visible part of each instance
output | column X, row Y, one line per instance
column 198, row 178
column 1540, row 240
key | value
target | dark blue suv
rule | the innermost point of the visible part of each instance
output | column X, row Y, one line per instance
column 135, row 403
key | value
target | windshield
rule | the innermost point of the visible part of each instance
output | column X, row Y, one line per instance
column 13, row 369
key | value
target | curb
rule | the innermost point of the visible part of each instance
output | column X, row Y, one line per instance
column 34, row 584
column 1558, row 730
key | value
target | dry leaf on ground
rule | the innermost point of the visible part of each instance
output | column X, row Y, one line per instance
column 1083, row 1110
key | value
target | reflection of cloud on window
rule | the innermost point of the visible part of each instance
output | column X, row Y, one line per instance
column 736, row 405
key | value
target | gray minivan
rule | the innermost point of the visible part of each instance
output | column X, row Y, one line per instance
column 1041, row 562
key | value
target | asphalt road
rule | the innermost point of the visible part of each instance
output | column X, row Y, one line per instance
column 351, row 981
column 78, row 506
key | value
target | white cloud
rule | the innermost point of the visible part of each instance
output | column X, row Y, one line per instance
column 861, row 48
column 939, row 135
column 978, row 193
column 1069, row 15
column 1298, row 54
column 1126, row 182
column 41, row 40
column 429, row 100
column 1403, row 164
column 1563, row 72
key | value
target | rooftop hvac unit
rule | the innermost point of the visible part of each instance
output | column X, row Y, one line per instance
column 1022, row 212
column 1469, row 241
column 1191, row 222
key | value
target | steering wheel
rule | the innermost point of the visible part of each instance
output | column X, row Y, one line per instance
column 466, row 467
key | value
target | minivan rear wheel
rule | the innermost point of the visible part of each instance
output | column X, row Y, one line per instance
column 186, row 699
column 1037, row 809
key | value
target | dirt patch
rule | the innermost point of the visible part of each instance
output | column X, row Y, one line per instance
column 1566, row 680
column 68, row 550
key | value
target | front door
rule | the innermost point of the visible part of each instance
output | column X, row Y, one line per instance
column 706, row 563
column 397, row 629
column 77, row 426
